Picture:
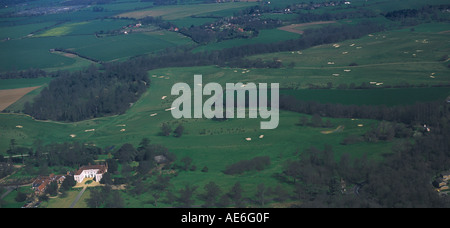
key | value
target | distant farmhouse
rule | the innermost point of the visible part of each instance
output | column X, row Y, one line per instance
column 441, row 183
column 91, row 171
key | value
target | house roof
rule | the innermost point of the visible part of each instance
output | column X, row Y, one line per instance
column 101, row 168
column 160, row 159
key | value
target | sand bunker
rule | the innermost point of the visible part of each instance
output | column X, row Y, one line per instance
column 340, row 128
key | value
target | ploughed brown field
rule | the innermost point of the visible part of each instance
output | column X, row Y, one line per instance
column 9, row 96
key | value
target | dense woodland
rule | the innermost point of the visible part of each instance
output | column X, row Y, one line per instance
column 89, row 93
column 419, row 113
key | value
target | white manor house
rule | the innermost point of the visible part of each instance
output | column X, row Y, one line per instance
column 90, row 171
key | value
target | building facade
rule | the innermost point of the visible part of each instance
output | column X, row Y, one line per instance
column 90, row 171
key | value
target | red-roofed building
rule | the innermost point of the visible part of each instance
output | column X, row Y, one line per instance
column 40, row 184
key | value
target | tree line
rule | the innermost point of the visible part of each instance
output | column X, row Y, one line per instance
column 427, row 13
column 419, row 113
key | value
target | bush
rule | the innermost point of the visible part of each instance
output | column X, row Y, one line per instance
column 20, row 197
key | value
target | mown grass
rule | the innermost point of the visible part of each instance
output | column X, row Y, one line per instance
column 209, row 143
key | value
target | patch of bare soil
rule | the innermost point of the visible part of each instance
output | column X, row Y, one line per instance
column 9, row 96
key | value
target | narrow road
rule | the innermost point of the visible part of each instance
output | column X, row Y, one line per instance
column 78, row 197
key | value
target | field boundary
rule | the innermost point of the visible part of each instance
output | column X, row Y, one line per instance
column 10, row 96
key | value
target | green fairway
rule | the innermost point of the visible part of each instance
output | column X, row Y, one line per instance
column 209, row 143
column 390, row 58
column 202, row 137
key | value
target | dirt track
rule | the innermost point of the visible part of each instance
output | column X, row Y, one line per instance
column 295, row 27
column 9, row 96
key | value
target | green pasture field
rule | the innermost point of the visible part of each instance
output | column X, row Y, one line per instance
column 188, row 21
column 34, row 52
column 390, row 5
column 123, row 6
column 22, row 82
column 85, row 27
column 125, row 46
column 21, row 31
column 173, row 12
